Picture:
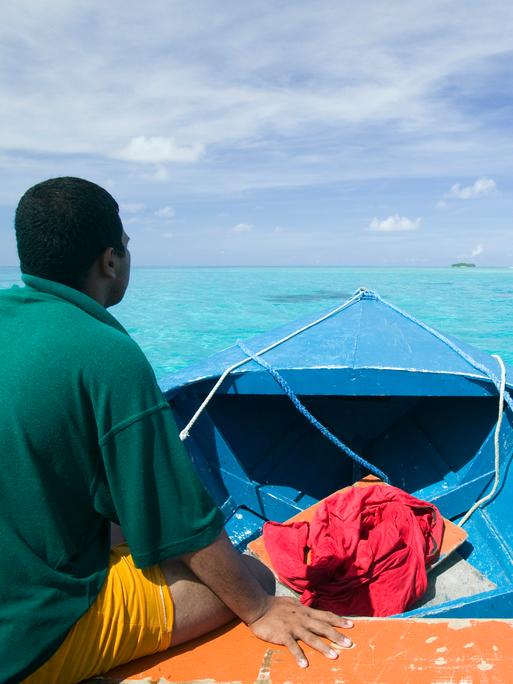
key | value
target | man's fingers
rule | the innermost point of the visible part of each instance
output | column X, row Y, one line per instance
column 296, row 651
column 325, row 630
column 327, row 616
column 311, row 639
column 287, row 621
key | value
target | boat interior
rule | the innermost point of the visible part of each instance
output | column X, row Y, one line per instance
column 262, row 460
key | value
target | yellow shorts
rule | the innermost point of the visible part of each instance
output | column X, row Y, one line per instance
column 131, row 617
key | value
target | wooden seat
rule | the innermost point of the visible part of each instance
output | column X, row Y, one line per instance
column 453, row 537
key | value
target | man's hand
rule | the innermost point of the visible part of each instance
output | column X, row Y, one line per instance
column 279, row 620
column 286, row 621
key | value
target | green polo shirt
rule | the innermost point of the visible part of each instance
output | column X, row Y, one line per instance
column 86, row 437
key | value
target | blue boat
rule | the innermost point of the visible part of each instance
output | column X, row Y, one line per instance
column 294, row 414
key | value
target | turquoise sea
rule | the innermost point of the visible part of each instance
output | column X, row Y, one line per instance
column 178, row 315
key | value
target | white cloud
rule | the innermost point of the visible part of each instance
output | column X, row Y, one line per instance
column 478, row 249
column 441, row 205
column 167, row 213
column 242, row 228
column 480, row 188
column 278, row 98
column 394, row 223
column 132, row 207
column 160, row 174
column 168, row 235
column 158, row 150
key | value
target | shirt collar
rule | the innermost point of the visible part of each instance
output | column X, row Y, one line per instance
column 83, row 301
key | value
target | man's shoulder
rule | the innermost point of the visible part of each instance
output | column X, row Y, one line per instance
column 100, row 346
column 76, row 344
column 120, row 349
column 78, row 329
column 90, row 343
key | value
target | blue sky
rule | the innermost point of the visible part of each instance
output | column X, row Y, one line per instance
column 269, row 132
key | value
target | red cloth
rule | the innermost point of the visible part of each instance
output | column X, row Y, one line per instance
column 368, row 546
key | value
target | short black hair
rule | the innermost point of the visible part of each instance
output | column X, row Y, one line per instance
column 62, row 225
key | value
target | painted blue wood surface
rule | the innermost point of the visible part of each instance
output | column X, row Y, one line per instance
column 393, row 392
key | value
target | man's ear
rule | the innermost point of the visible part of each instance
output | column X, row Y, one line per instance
column 107, row 263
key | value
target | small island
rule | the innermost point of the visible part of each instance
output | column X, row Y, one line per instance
column 463, row 264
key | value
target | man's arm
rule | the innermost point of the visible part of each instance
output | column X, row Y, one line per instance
column 279, row 620
column 180, row 515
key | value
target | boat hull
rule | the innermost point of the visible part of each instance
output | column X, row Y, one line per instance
column 425, row 416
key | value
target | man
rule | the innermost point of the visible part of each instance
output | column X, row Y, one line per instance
column 87, row 439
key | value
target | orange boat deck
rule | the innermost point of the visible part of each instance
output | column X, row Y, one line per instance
column 386, row 651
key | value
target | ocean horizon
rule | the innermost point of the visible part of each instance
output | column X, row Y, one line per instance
column 180, row 314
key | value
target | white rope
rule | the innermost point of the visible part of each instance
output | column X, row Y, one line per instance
column 185, row 432
column 496, row 444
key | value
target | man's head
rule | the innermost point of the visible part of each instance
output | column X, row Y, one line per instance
column 68, row 230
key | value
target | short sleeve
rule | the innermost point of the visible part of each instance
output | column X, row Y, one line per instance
column 162, row 506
